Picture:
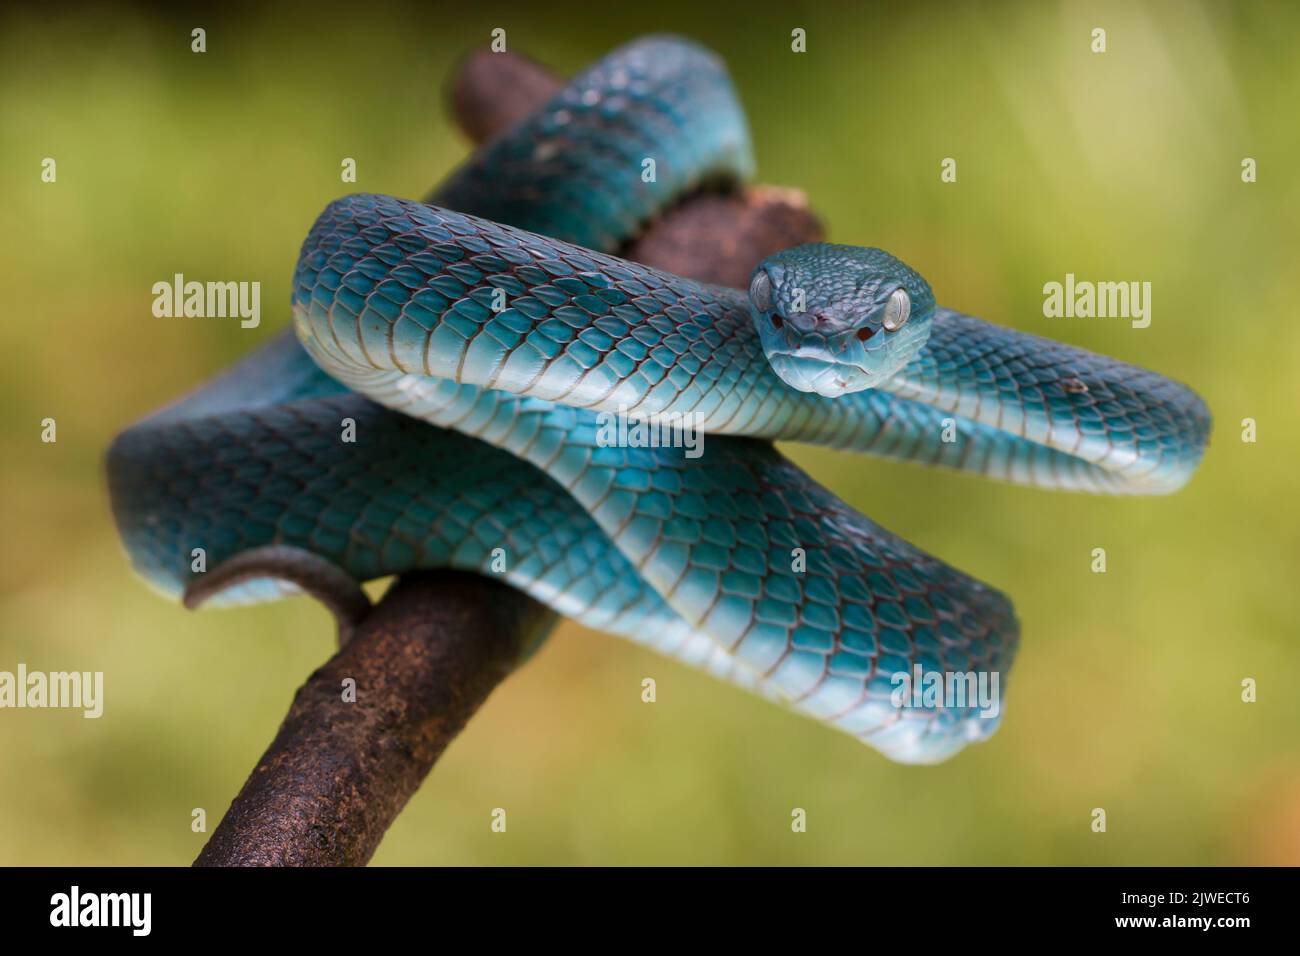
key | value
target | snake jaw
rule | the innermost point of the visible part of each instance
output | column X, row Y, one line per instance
column 836, row 363
column 808, row 373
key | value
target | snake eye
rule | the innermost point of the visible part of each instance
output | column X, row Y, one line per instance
column 897, row 310
column 760, row 291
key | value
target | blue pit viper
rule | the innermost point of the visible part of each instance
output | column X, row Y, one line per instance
column 478, row 343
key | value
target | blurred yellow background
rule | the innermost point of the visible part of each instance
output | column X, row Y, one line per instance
column 1117, row 166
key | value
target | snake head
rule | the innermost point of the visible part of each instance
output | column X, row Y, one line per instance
column 836, row 319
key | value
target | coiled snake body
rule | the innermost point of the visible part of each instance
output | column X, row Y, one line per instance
column 502, row 346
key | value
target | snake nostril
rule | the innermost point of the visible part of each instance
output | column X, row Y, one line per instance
column 865, row 333
column 776, row 321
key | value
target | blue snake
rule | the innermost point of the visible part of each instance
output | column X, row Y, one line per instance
column 446, row 396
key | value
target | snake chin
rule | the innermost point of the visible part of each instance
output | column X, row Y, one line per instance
column 828, row 379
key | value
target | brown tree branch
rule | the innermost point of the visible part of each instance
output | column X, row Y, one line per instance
column 339, row 770
column 431, row 651
column 491, row 92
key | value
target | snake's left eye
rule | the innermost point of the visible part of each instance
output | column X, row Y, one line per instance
column 760, row 291
column 897, row 310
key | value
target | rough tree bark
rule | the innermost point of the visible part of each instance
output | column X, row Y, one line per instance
column 437, row 644
column 338, row 772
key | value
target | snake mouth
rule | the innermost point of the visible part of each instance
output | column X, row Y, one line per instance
column 811, row 374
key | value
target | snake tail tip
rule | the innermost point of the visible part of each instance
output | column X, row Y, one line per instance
column 310, row 573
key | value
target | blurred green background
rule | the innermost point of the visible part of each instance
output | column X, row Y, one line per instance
column 1118, row 166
